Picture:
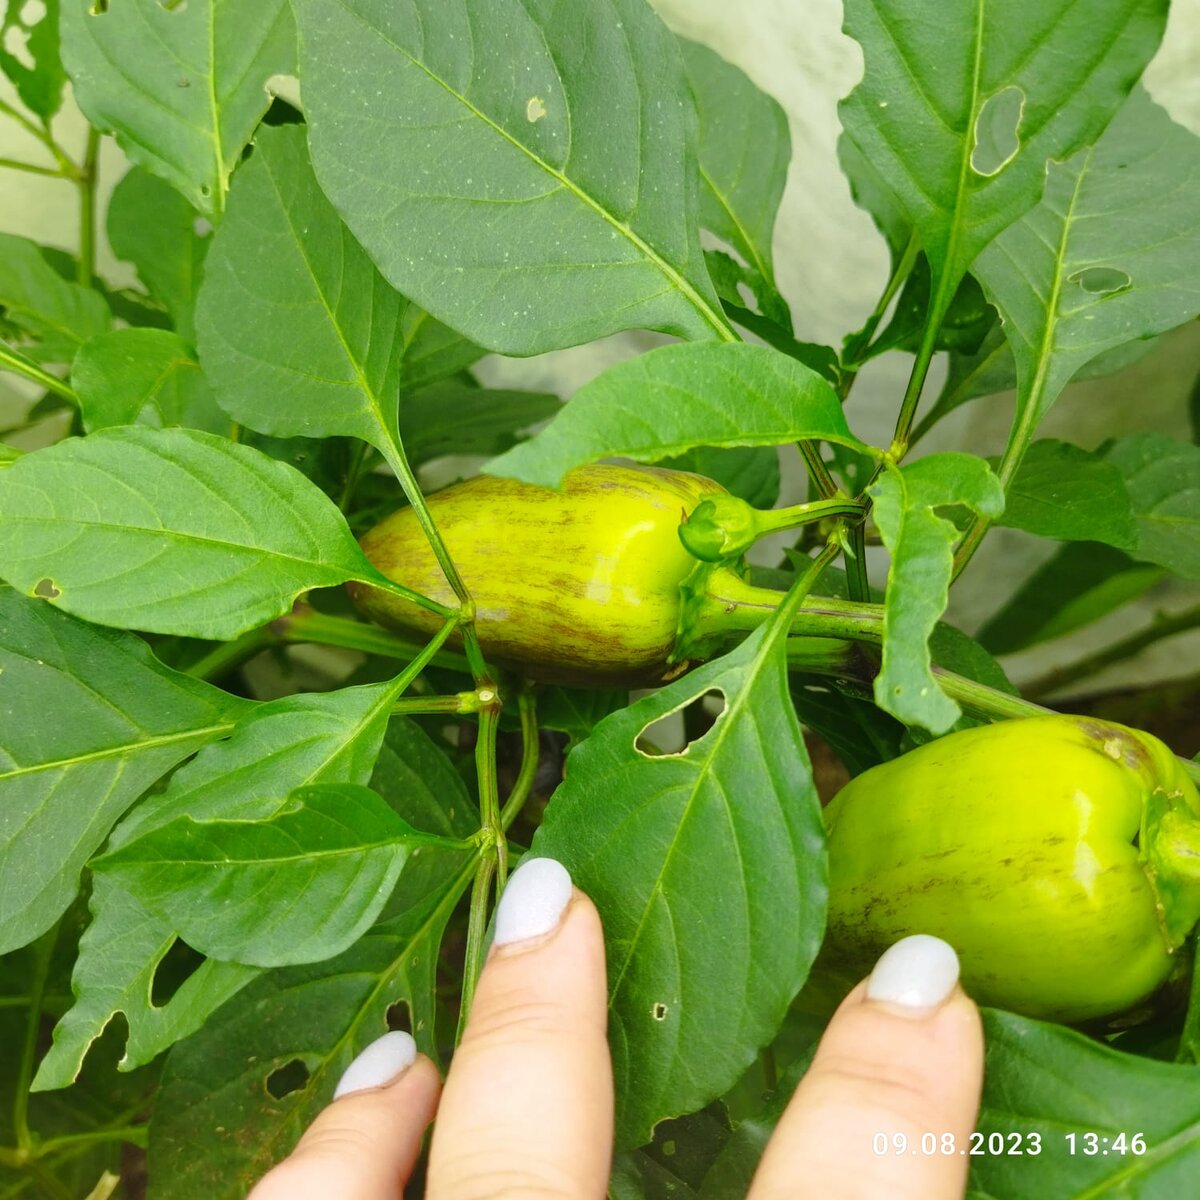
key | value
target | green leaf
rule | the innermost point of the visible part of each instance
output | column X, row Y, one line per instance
column 667, row 401
column 861, row 735
column 744, row 149
column 1052, row 1081
column 120, row 953
column 54, row 315
column 40, row 85
column 922, row 549
column 1061, row 491
column 1083, row 582
column 144, row 377
column 286, row 744
column 962, row 104
column 1163, row 478
column 576, row 711
column 9, row 454
column 64, row 782
column 751, row 472
column 724, row 835
column 170, row 531
column 298, row 332
column 569, row 185
column 299, row 886
column 181, row 86
column 231, row 1074
column 455, row 418
column 1111, row 254
column 152, row 226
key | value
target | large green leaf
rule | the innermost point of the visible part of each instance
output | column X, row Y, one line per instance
column 1163, row 479
column 1061, row 491
column 1050, row 1081
column 1111, row 254
column 54, row 315
column 922, row 548
column 667, row 401
column 297, row 329
column 35, row 28
column 744, row 149
column 963, row 103
column 310, row 1020
column 724, row 836
column 170, row 531
column 298, row 886
column 152, row 226
column 285, row 744
column 181, row 85
column 143, row 377
column 569, row 183
column 118, row 721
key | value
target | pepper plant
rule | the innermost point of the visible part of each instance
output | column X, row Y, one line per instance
column 244, row 830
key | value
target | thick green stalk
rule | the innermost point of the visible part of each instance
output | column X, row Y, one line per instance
column 86, row 181
column 527, row 706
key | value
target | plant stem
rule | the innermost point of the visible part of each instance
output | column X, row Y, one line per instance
column 393, row 452
column 818, row 472
column 33, row 168
column 134, row 1134
column 222, row 659
column 489, row 788
column 527, row 706
column 86, row 180
column 42, row 134
column 43, row 950
column 903, row 269
column 15, row 361
column 305, row 624
column 463, row 702
column 354, row 474
column 1163, row 626
column 477, row 921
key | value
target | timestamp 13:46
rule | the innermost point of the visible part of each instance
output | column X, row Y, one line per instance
column 994, row 1144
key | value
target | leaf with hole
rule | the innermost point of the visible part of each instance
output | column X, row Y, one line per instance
column 922, row 548
column 569, row 183
column 724, row 835
column 1110, row 255
column 182, row 86
column 170, row 531
column 961, row 106
column 29, row 54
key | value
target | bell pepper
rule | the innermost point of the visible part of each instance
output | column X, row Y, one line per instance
column 578, row 586
column 1059, row 855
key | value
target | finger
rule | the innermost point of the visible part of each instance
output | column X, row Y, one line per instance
column 527, row 1109
column 363, row 1146
column 903, row 1056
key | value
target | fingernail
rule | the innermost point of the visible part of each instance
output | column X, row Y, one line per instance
column 384, row 1060
column 917, row 974
column 534, row 901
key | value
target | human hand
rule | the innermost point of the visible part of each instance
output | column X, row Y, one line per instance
column 527, row 1105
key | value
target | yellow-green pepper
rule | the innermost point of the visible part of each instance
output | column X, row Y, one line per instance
column 577, row 586
column 1059, row 855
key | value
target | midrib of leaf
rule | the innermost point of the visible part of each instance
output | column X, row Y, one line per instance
column 678, row 281
column 759, row 265
column 439, row 915
column 186, row 537
column 275, row 860
column 1141, row 1164
column 374, row 405
column 1023, row 427
column 150, row 743
column 724, row 723
column 214, row 110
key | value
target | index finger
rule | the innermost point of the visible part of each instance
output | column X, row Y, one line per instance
column 528, row 1102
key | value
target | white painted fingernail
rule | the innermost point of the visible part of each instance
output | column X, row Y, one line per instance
column 534, row 901
column 918, row 973
column 381, row 1062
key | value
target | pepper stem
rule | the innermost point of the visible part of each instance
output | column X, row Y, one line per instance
column 725, row 526
column 1170, row 841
